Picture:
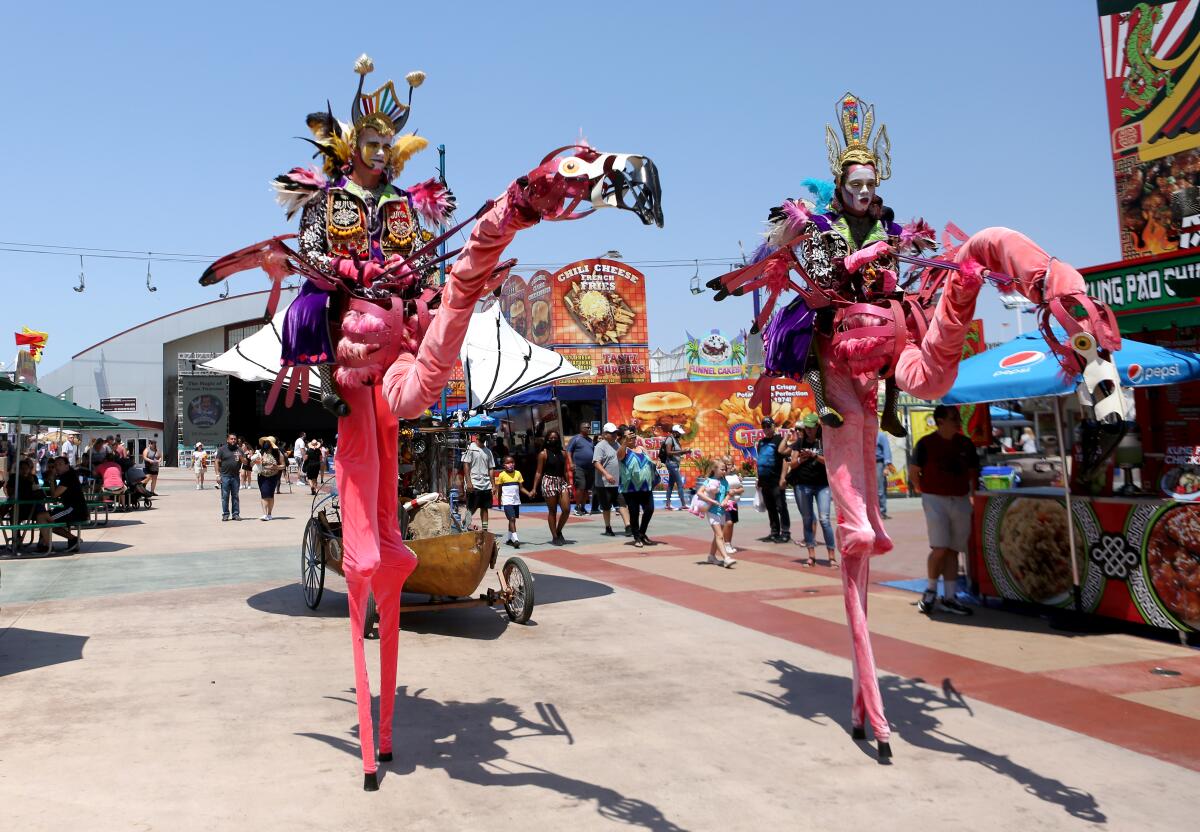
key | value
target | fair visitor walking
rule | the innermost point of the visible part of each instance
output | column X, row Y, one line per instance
column 199, row 462
column 639, row 476
column 247, row 462
column 608, row 473
column 883, row 468
column 712, row 494
column 552, row 475
column 670, row 452
column 771, row 451
column 510, row 485
column 271, row 466
column 809, row 480
column 298, row 449
column 151, row 460
column 736, row 490
column 582, row 450
column 229, row 469
column 311, row 464
column 945, row 469
column 477, row 465
column 70, row 450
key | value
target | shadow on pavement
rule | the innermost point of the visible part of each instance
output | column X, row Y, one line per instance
column 22, row 649
column 464, row 739
column 89, row 547
column 912, row 712
column 473, row 622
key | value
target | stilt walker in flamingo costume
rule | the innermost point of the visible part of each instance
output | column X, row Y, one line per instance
column 367, row 306
column 852, row 324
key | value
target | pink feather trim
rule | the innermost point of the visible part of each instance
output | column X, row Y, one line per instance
column 309, row 177
column 863, row 355
column 357, row 323
column 970, row 275
column 918, row 234
column 356, row 376
column 797, row 216
column 432, row 200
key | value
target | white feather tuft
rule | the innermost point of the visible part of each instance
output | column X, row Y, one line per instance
column 364, row 65
column 415, row 79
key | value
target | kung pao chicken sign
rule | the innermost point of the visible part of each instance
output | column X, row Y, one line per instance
column 1151, row 54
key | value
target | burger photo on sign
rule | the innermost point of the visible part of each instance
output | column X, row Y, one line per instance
column 658, row 412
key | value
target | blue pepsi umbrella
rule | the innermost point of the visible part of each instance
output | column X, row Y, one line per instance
column 1025, row 368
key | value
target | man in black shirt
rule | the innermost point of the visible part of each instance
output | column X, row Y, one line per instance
column 229, row 466
column 69, row 492
column 770, row 483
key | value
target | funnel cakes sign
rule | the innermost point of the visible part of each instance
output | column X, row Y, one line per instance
column 598, row 321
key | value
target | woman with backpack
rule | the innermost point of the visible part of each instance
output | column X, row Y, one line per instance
column 271, row 467
column 709, row 503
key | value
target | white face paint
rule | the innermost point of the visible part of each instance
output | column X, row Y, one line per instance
column 858, row 189
column 373, row 149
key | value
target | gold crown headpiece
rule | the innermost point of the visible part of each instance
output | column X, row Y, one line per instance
column 383, row 106
column 856, row 118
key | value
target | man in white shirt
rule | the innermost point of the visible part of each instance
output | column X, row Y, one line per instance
column 70, row 451
column 298, row 450
column 478, row 462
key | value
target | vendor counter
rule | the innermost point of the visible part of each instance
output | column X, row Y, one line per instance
column 1139, row 557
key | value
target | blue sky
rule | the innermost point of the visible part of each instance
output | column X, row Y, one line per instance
column 158, row 127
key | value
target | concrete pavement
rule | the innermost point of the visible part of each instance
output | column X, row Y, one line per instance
column 170, row 677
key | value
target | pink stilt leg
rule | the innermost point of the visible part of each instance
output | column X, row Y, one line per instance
column 868, row 704
column 357, row 588
column 870, row 430
column 845, row 459
column 359, row 475
column 398, row 562
column 387, row 583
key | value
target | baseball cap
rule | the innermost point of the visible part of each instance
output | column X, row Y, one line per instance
column 678, row 429
column 768, row 423
column 811, row 420
column 609, row 427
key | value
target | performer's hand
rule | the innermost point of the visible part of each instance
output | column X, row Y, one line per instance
column 863, row 257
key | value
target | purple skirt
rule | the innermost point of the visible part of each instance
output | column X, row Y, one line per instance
column 787, row 340
column 305, row 334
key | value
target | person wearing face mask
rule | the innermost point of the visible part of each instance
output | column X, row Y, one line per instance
column 554, row 475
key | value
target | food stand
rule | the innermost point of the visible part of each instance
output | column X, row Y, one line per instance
column 1132, row 557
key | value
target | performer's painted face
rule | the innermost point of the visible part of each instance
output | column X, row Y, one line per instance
column 373, row 148
column 858, row 188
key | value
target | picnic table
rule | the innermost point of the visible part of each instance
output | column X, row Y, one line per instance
column 14, row 532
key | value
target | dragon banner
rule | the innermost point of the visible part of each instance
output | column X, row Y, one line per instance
column 1152, row 86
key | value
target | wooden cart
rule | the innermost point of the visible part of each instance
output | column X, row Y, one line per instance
column 450, row 568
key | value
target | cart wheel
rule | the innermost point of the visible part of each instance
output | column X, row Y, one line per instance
column 520, row 583
column 370, row 618
column 312, row 564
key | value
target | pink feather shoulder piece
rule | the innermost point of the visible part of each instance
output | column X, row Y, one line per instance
column 297, row 187
column 433, row 201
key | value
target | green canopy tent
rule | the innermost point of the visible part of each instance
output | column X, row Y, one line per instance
column 29, row 406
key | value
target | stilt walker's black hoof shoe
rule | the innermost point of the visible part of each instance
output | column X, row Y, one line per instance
column 385, row 756
column 858, row 732
column 370, row 782
column 885, row 750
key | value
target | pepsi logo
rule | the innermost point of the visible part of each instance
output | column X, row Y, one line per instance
column 1134, row 372
column 1024, row 358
